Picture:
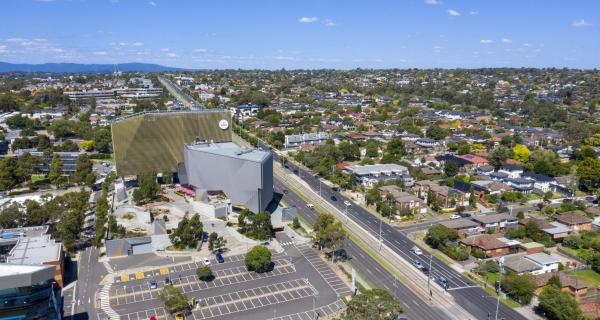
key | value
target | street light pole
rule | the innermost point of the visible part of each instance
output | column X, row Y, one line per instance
column 380, row 235
column 429, row 277
column 501, row 262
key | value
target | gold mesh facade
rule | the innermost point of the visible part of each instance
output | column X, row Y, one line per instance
column 153, row 142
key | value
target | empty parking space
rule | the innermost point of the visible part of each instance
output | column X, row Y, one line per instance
column 133, row 294
column 324, row 270
column 222, row 305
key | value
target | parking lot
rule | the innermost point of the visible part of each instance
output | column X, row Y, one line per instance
column 300, row 284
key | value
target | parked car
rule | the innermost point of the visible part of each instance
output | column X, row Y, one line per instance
column 416, row 250
column 153, row 284
column 167, row 282
column 219, row 258
column 206, row 261
column 454, row 216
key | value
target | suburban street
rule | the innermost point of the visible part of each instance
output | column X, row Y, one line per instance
column 466, row 293
column 90, row 271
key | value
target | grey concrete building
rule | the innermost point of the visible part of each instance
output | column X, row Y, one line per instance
column 245, row 175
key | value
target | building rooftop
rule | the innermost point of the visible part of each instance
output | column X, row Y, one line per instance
column 542, row 258
column 459, row 224
column 494, row 218
column 572, row 218
column 377, row 169
column 232, row 150
column 485, row 242
column 34, row 250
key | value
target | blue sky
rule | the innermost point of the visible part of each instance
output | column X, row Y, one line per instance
column 304, row 34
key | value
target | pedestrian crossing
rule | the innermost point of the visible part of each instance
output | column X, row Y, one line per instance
column 288, row 243
column 105, row 302
column 108, row 267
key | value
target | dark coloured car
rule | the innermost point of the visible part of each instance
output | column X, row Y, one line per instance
column 219, row 258
column 442, row 281
column 167, row 282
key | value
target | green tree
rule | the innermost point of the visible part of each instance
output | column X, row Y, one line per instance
column 216, row 242
column 148, row 188
column 432, row 201
column 83, row 170
column 451, row 168
column 437, row 133
column 373, row 196
column 205, row 273
column 102, row 140
column 588, row 172
column 499, row 155
column 558, row 305
column 258, row 259
column 394, row 151
column 374, row 304
column 296, row 223
column 188, row 232
column 439, row 235
column 101, row 219
column 175, row 300
column 55, row 174
column 372, row 148
column 519, row 287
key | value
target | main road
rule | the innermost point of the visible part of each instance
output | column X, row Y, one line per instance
column 465, row 292
column 414, row 307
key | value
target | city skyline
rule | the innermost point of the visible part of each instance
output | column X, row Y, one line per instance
column 313, row 34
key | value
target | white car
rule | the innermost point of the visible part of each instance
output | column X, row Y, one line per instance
column 454, row 216
column 416, row 250
column 310, row 205
column 206, row 261
column 347, row 203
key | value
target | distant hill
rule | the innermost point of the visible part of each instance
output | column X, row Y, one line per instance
column 78, row 67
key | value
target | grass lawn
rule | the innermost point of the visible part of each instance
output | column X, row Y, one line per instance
column 590, row 277
column 37, row 177
column 490, row 289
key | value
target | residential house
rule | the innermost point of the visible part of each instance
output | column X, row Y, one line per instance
column 473, row 161
column 496, row 222
column 488, row 244
column 569, row 284
column 537, row 263
column 295, row 140
column 369, row 175
column 464, row 227
column 541, row 182
column 574, row 221
column 404, row 202
column 522, row 185
column 512, row 170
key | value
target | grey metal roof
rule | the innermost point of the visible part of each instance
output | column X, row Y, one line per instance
column 377, row 169
column 232, row 150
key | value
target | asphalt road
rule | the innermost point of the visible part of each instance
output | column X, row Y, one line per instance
column 89, row 273
column 472, row 298
column 368, row 267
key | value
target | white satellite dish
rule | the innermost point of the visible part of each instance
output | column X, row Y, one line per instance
column 223, row 124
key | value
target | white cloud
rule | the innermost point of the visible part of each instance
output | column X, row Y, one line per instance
column 308, row 19
column 201, row 50
column 506, row 40
column 3, row 49
column 432, row 2
column 330, row 23
column 152, row 3
column 486, row 41
column 453, row 13
column 165, row 49
column 473, row 13
column 99, row 53
column 581, row 24
column 171, row 55
column 137, row 44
